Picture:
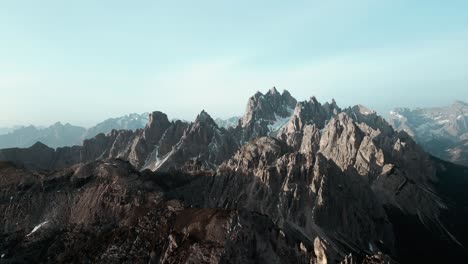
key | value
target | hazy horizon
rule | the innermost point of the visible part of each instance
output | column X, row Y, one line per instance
column 84, row 62
column 194, row 114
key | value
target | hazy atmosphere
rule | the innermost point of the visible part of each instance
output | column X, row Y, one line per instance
column 234, row 132
column 84, row 61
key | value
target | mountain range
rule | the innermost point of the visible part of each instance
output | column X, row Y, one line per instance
column 6, row 130
column 61, row 135
column 289, row 182
column 441, row 131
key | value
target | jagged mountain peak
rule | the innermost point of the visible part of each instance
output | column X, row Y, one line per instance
column 204, row 117
column 273, row 91
column 202, row 147
column 156, row 126
column 363, row 110
column 156, row 117
column 266, row 114
column 286, row 93
column 313, row 112
column 314, row 100
column 257, row 95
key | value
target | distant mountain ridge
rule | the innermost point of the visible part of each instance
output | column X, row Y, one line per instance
column 6, row 130
column 129, row 122
column 441, row 131
column 228, row 122
column 56, row 135
column 61, row 135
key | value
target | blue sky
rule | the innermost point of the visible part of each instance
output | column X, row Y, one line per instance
column 84, row 61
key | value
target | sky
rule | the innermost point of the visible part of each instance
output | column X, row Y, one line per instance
column 85, row 61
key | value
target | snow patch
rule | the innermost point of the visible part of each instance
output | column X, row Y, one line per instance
column 371, row 248
column 213, row 146
column 279, row 123
column 37, row 228
column 160, row 162
column 445, row 121
column 397, row 115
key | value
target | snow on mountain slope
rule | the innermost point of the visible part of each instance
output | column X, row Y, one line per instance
column 440, row 130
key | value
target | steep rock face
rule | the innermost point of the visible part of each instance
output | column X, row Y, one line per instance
column 265, row 114
column 303, row 194
column 308, row 113
column 136, row 147
column 379, row 158
column 98, row 147
column 300, row 185
column 203, row 143
column 154, row 130
column 441, row 131
column 264, row 107
column 148, row 139
column 341, row 140
column 171, row 137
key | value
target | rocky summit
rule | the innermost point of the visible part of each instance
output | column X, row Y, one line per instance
column 291, row 182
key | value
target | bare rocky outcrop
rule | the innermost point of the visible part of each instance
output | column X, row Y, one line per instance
column 202, row 142
column 267, row 107
column 308, row 195
column 310, row 114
